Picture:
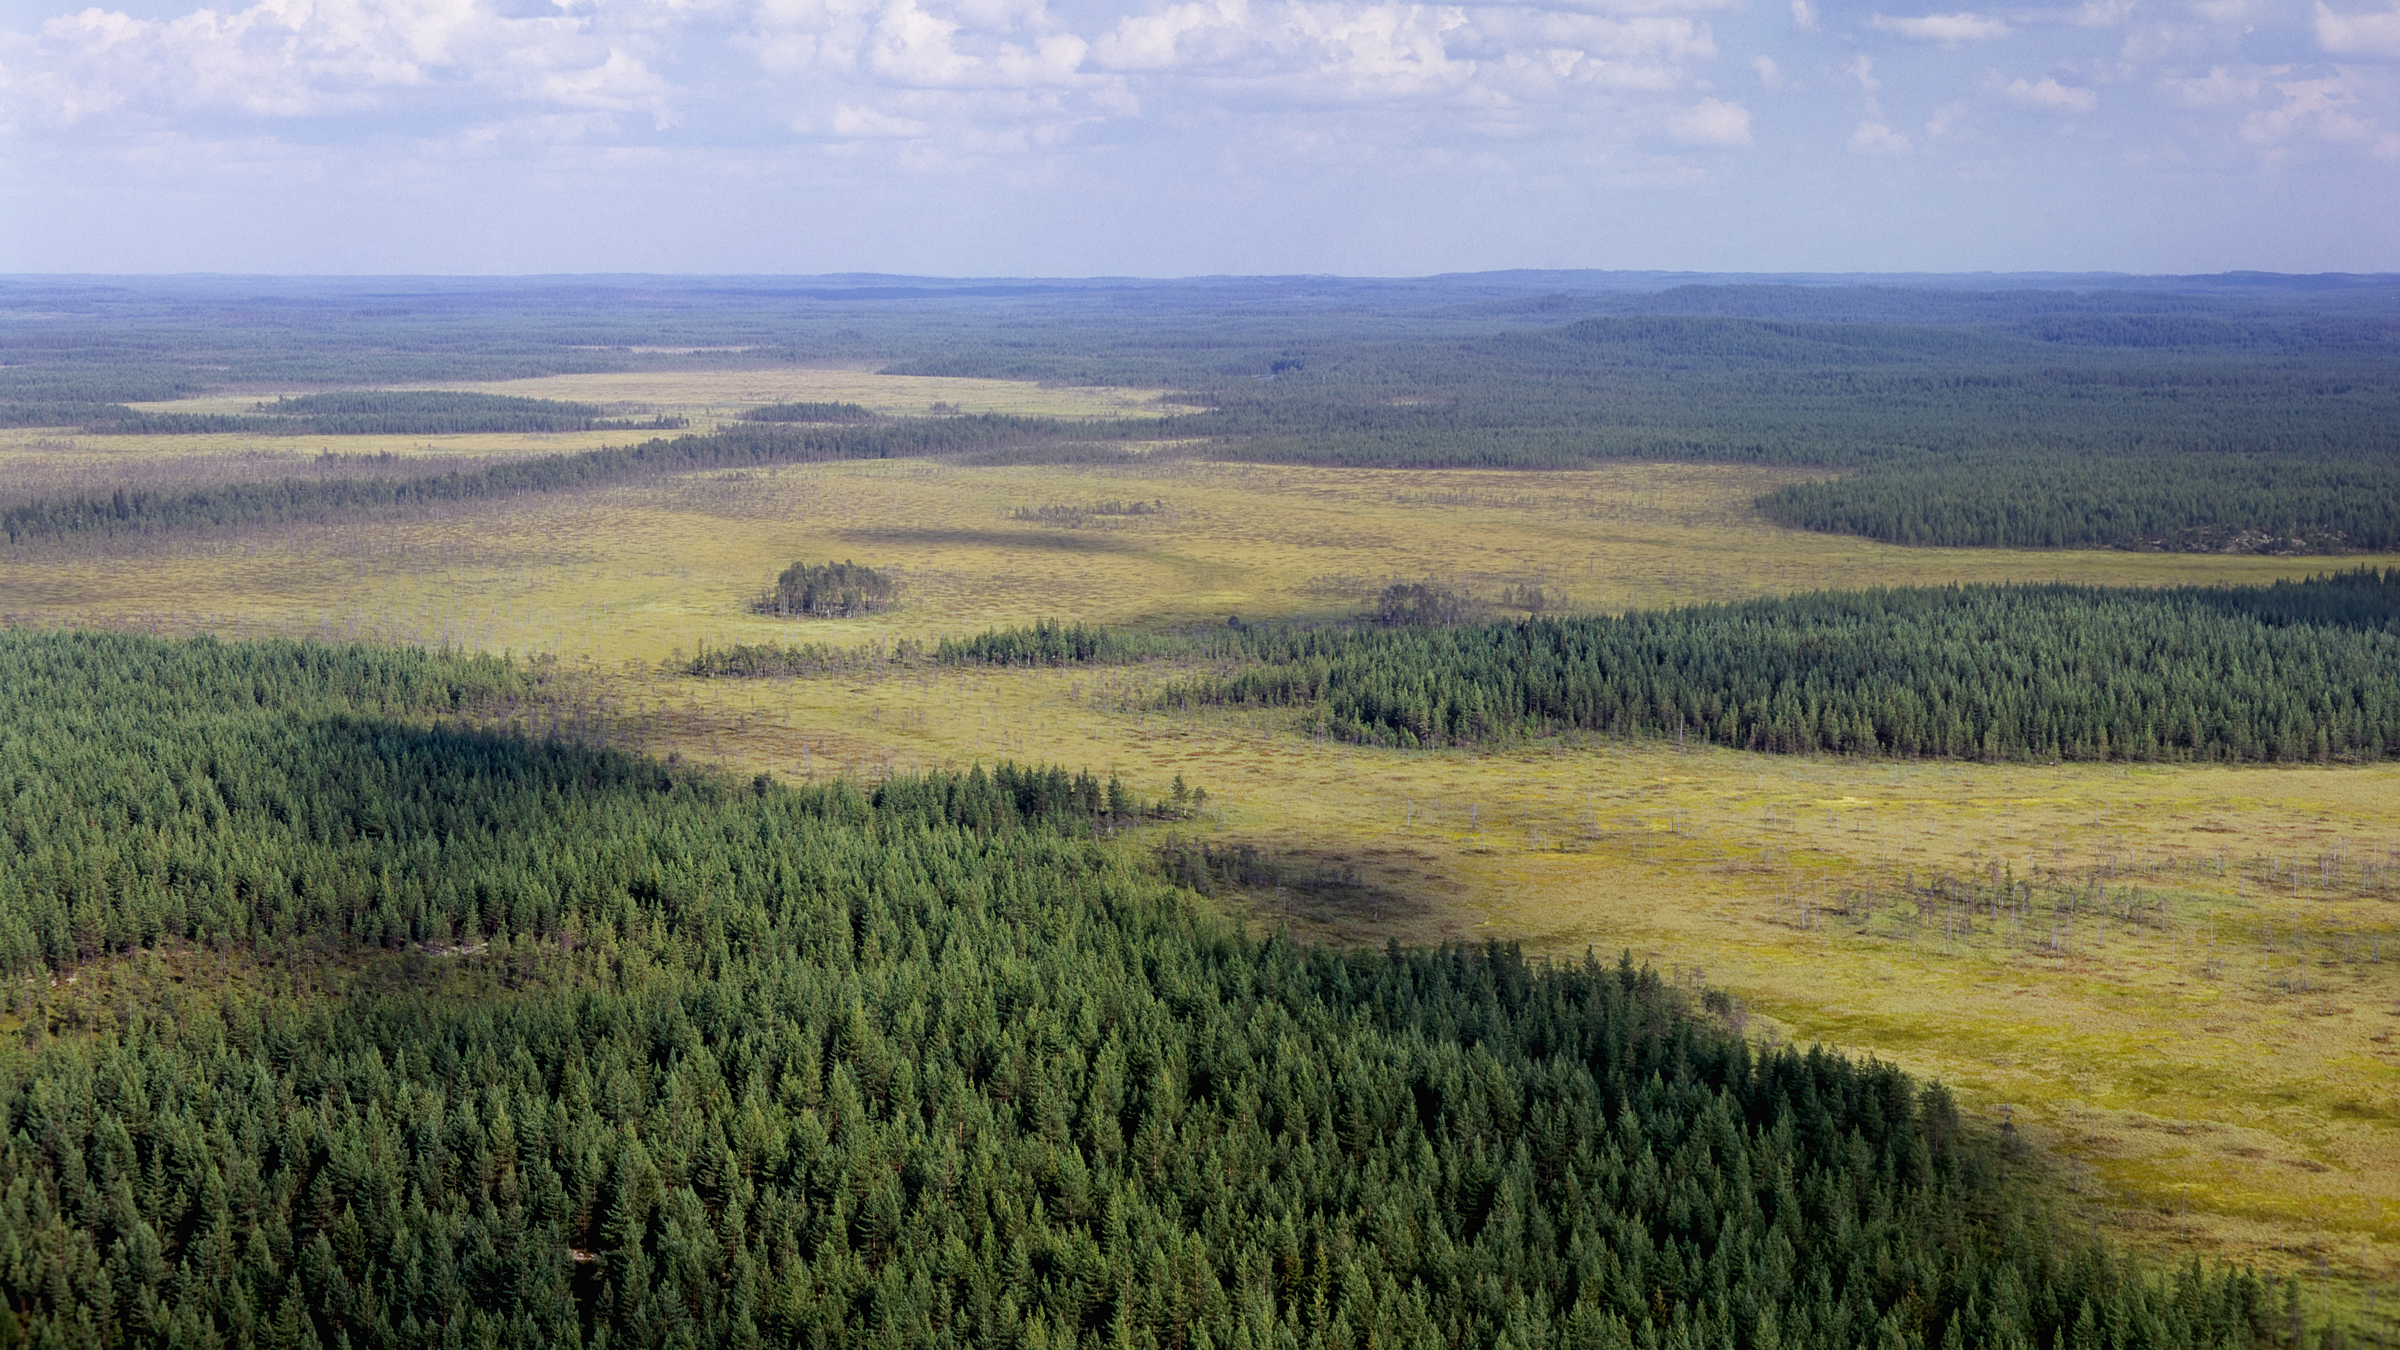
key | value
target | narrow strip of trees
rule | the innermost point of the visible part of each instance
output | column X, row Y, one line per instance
column 740, row 445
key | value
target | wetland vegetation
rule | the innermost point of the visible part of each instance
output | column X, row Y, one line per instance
column 437, row 944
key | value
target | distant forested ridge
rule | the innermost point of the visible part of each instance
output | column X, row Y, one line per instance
column 490, row 1041
column 2243, row 413
column 2297, row 670
column 2186, row 431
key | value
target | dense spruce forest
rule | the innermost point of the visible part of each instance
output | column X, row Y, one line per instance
column 2189, row 503
column 2297, row 670
column 2242, row 413
column 2294, row 670
column 371, row 1022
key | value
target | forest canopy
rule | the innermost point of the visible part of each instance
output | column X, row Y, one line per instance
column 515, row 1041
column 2296, row 670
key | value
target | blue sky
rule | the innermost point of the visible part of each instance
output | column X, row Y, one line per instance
column 1178, row 137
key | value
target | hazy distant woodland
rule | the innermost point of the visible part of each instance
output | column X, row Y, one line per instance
column 2232, row 414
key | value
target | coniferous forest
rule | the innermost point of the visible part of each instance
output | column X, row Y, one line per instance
column 2296, row 670
column 510, row 1041
column 2244, row 413
column 287, row 500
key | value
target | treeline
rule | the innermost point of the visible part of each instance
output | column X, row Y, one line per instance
column 809, row 412
column 405, row 412
column 677, row 1062
column 142, row 511
column 770, row 660
column 382, row 411
column 2256, row 503
column 2298, row 670
column 1049, row 642
column 58, row 414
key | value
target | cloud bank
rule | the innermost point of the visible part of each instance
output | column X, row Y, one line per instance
column 1270, row 116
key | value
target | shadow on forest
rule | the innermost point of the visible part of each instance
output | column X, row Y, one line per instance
column 1319, row 896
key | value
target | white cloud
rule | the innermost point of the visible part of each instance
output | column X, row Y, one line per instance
column 619, row 84
column 2217, row 88
column 954, row 81
column 1947, row 29
column 2326, row 110
column 1875, row 138
column 1377, row 51
column 1711, row 122
column 1333, row 52
column 851, row 120
column 1429, row 72
column 2359, row 34
column 913, row 47
column 297, row 58
column 1174, row 35
column 2047, row 95
column 909, row 46
column 2105, row 13
column 948, row 81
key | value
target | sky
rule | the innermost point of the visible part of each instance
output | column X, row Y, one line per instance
column 1188, row 137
